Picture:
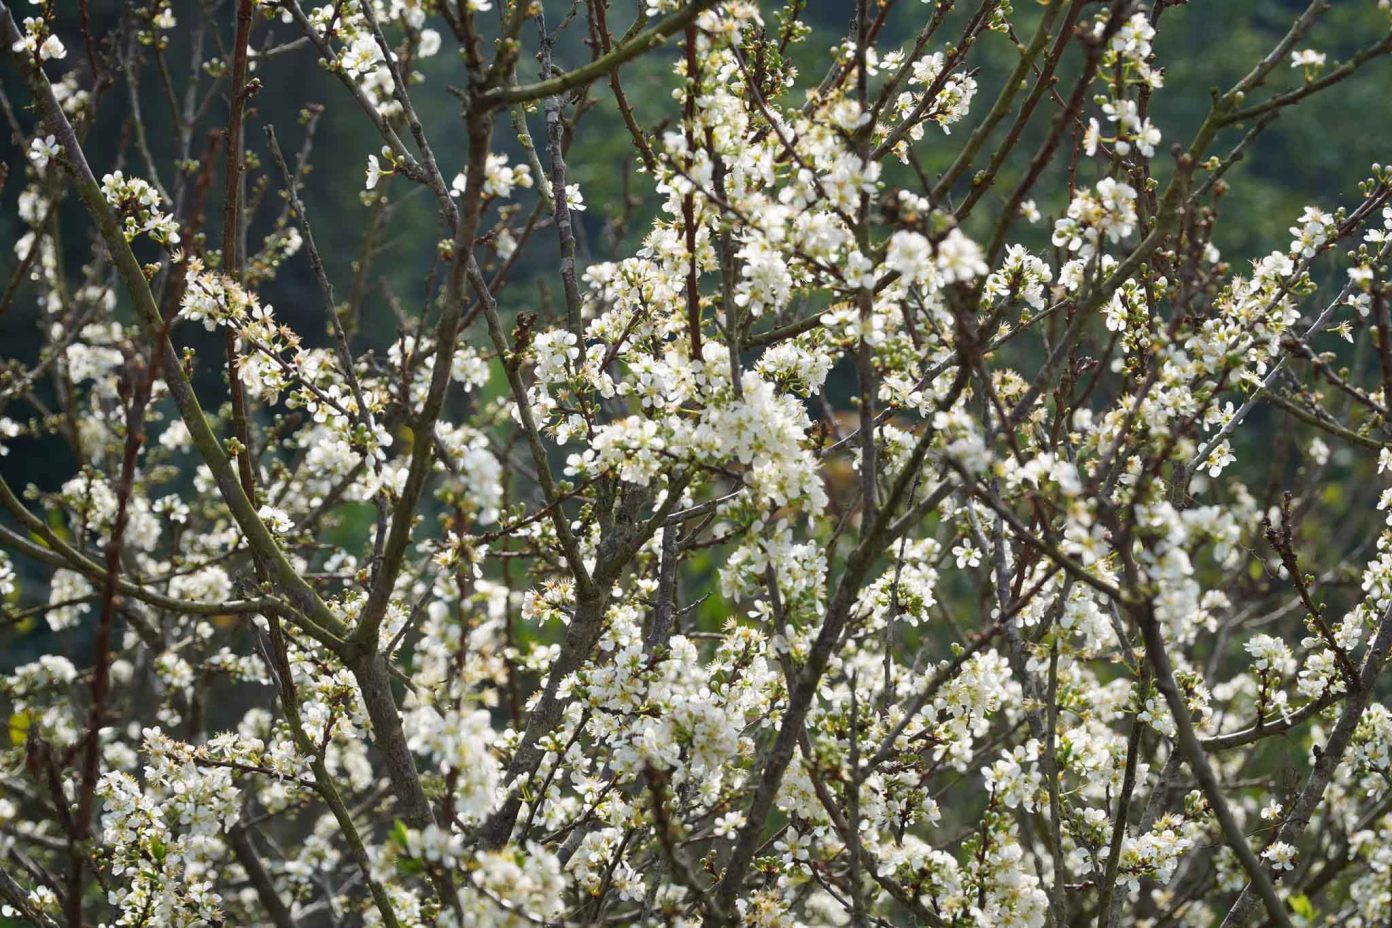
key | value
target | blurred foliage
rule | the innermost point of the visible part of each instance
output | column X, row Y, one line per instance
column 1312, row 154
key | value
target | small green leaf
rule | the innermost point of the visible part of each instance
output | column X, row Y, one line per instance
column 1300, row 905
column 399, row 833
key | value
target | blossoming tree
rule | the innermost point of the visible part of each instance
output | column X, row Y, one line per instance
column 870, row 545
